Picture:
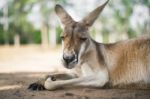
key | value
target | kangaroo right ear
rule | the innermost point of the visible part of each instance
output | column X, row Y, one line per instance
column 65, row 18
column 90, row 19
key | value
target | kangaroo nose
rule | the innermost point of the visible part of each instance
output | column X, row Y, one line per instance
column 68, row 58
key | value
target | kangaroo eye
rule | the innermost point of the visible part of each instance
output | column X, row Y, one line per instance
column 62, row 37
column 83, row 38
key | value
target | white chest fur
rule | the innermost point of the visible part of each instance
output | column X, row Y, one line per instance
column 86, row 70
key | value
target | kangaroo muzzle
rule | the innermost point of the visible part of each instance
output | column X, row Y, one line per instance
column 69, row 60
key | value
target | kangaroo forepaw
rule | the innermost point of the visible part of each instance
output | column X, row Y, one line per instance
column 36, row 87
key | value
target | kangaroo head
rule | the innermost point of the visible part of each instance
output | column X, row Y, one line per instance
column 75, row 36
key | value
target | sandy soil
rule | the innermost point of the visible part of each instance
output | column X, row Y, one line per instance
column 14, row 86
column 17, row 71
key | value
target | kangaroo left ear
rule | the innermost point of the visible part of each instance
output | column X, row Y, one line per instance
column 90, row 19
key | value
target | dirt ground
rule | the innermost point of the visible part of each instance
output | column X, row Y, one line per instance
column 14, row 86
column 23, row 66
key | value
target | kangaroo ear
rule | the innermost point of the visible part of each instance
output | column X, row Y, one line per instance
column 89, row 20
column 63, row 15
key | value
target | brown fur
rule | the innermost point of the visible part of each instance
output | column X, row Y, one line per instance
column 131, row 60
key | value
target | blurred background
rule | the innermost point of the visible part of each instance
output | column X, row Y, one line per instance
column 30, row 30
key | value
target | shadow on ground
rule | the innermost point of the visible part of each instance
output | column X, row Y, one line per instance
column 14, row 86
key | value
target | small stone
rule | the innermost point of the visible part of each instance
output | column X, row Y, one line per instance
column 69, row 94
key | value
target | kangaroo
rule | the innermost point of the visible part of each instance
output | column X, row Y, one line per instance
column 92, row 64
